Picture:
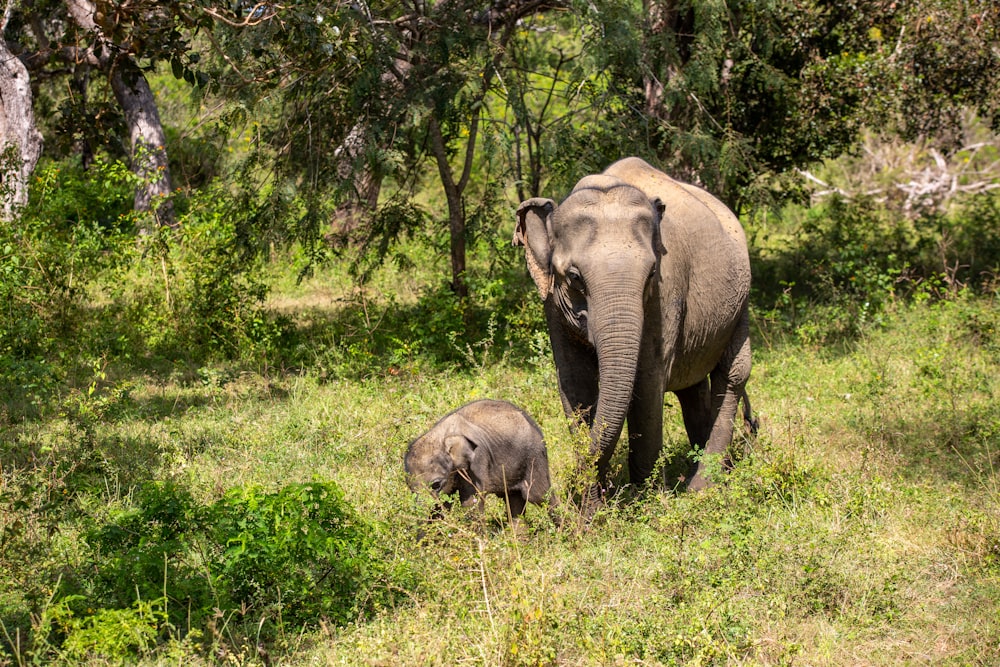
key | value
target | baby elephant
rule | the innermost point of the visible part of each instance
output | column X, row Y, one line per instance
column 486, row 446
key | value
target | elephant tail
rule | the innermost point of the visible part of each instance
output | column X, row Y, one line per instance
column 751, row 422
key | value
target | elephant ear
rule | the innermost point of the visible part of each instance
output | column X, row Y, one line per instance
column 461, row 450
column 532, row 232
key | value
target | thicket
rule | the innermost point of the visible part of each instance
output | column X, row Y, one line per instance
column 167, row 572
column 845, row 260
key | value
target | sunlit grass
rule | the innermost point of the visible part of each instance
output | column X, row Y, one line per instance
column 860, row 526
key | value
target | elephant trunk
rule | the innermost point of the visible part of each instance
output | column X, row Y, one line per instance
column 617, row 323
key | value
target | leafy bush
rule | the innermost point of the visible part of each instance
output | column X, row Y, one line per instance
column 220, row 301
column 301, row 551
column 171, row 566
column 73, row 229
column 189, row 294
column 501, row 318
column 842, row 261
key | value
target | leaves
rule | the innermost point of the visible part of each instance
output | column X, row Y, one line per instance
column 289, row 557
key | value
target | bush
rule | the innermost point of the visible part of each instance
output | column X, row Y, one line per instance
column 219, row 301
column 75, row 227
column 842, row 261
column 189, row 294
column 171, row 566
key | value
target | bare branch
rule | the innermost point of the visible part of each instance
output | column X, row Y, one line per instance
column 255, row 16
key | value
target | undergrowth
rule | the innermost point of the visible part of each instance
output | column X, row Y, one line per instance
column 201, row 460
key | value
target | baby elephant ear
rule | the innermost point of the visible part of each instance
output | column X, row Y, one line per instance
column 532, row 232
column 460, row 450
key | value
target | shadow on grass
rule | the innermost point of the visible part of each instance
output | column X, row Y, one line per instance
column 360, row 337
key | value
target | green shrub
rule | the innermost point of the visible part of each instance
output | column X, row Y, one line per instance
column 301, row 551
column 841, row 262
column 73, row 229
column 170, row 565
column 150, row 552
column 111, row 634
column 191, row 294
column 970, row 242
column 220, row 301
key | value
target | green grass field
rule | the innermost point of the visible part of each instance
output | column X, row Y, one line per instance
column 861, row 526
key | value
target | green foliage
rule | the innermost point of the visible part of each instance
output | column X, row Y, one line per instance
column 833, row 270
column 190, row 294
column 499, row 320
column 145, row 554
column 110, row 634
column 301, row 551
column 170, row 566
column 73, row 229
column 220, row 301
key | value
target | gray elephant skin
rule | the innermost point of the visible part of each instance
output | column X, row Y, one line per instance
column 645, row 283
column 484, row 447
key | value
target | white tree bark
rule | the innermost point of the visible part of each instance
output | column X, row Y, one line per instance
column 146, row 135
column 20, row 140
column 148, row 141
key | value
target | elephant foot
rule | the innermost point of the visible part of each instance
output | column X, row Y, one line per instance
column 594, row 499
column 701, row 475
column 698, row 483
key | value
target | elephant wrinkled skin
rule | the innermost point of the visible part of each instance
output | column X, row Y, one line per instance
column 645, row 282
column 484, row 447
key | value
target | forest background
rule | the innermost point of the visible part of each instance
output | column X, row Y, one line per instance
column 250, row 250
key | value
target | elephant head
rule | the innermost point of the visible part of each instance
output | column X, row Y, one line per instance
column 595, row 259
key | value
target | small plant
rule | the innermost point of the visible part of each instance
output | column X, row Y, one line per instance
column 300, row 552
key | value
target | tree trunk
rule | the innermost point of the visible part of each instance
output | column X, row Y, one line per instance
column 147, row 138
column 146, row 135
column 367, row 185
column 661, row 18
column 456, row 214
column 20, row 140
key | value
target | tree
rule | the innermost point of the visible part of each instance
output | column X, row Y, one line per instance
column 741, row 91
column 945, row 58
column 131, row 89
column 20, row 140
column 467, row 117
column 361, row 93
column 122, row 41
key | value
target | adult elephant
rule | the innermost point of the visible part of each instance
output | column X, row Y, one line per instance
column 645, row 282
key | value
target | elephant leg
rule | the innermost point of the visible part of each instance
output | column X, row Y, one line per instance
column 696, row 408
column 645, row 424
column 751, row 423
column 515, row 503
column 576, row 370
column 728, row 382
column 469, row 495
column 578, row 387
column 577, row 373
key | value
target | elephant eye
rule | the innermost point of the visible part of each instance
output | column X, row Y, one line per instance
column 575, row 280
column 437, row 484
